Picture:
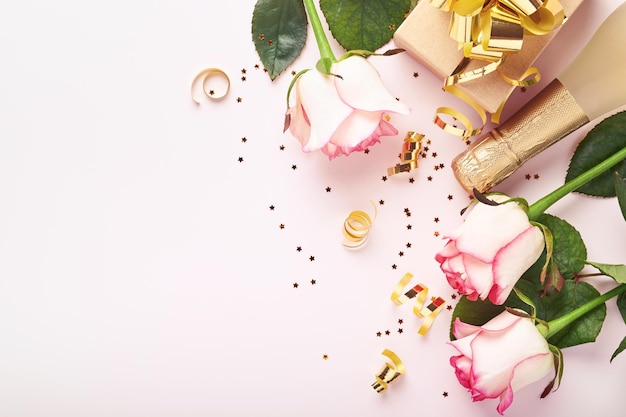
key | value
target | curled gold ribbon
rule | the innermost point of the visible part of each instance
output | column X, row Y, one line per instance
column 389, row 372
column 205, row 75
column 488, row 31
column 435, row 308
column 356, row 227
column 418, row 292
column 411, row 148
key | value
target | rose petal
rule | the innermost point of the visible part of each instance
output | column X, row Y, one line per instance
column 479, row 275
column 323, row 107
column 477, row 236
column 513, row 260
column 357, row 127
column 360, row 86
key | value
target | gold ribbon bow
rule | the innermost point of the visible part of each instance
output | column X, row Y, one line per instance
column 488, row 31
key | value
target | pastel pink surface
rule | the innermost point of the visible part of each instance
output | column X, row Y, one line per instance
column 143, row 269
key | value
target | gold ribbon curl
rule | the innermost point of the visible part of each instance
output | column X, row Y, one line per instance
column 411, row 148
column 356, row 227
column 420, row 293
column 205, row 75
column 389, row 372
column 488, row 31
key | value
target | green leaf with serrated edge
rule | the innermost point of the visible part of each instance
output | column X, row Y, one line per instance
column 279, row 29
column 617, row 272
column 569, row 251
column 583, row 330
column 364, row 24
column 619, row 349
column 474, row 312
column 620, row 191
column 605, row 139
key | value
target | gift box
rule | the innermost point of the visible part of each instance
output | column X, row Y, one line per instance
column 425, row 36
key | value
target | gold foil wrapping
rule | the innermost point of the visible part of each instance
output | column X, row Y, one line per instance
column 548, row 117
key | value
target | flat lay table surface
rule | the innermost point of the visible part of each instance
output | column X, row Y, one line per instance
column 162, row 257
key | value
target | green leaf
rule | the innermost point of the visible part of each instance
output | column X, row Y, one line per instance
column 586, row 328
column 620, row 191
column 569, row 251
column 474, row 312
column 279, row 29
column 364, row 24
column 606, row 138
column 617, row 272
column 621, row 305
column 619, row 349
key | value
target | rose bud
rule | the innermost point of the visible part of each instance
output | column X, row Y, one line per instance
column 488, row 254
column 342, row 112
column 500, row 357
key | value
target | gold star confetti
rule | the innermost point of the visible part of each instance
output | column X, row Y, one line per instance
column 295, row 285
column 325, row 357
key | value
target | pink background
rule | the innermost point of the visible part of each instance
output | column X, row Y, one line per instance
column 142, row 272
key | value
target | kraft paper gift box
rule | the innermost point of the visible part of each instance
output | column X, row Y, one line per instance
column 424, row 35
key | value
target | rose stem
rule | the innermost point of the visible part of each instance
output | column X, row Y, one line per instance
column 560, row 323
column 318, row 30
column 541, row 205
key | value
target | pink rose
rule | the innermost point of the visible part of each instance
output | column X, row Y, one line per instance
column 344, row 112
column 500, row 357
column 491, row 250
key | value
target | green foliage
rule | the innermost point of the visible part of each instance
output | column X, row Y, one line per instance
column 617, row 272
column 619, row 349
column 620, row 191
column 474, row 312
column 605, row 139
column 582, row 330
column 569, row 251
column 279, row 29
column 621, row 305
column 364, row 24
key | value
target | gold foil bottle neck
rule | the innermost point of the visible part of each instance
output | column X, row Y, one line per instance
column 547, row 118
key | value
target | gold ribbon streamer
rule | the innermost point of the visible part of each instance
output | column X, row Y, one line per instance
column 420, row 293
column 411, row 148
column 205, row 75
column 488, row 31
column 356, row 227
column 435, row 308
column 389, row 372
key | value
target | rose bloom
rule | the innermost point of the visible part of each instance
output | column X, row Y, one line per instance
column 344, row 112
column 500, row 357
column 491, row 250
